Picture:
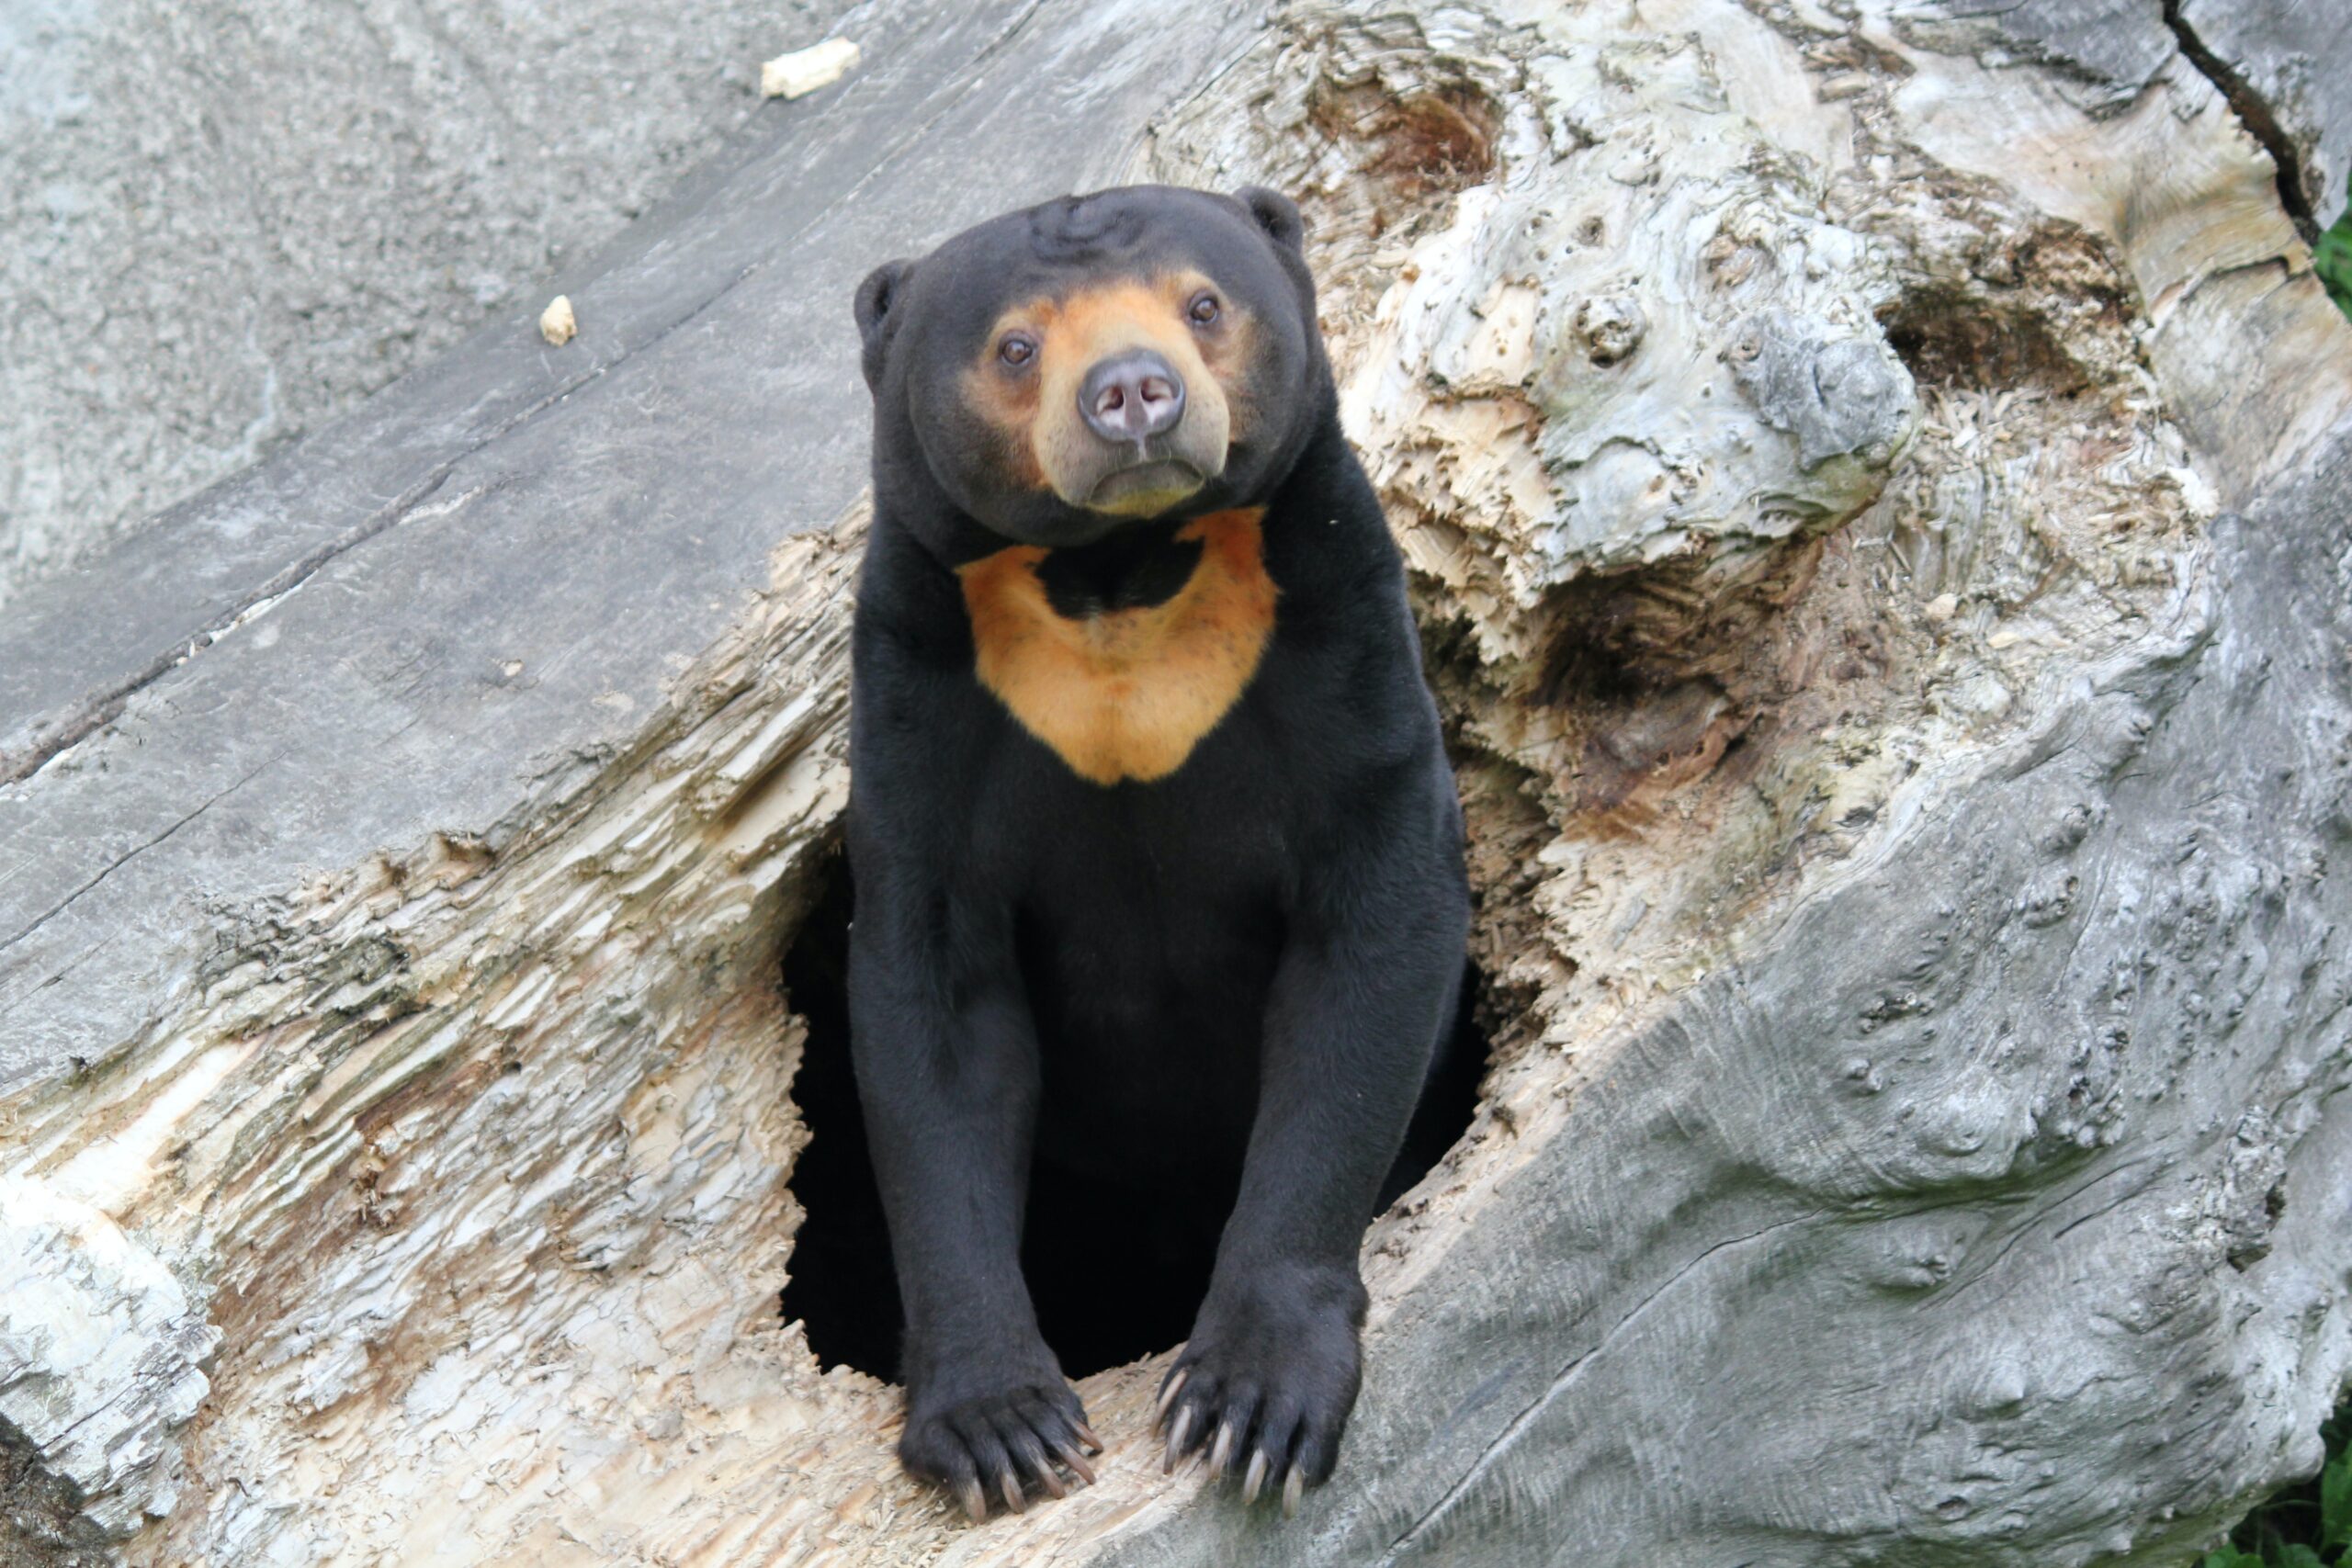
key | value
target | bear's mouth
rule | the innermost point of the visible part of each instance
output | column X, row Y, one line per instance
column 1145, row 489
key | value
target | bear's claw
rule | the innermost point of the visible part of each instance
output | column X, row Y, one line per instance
column 1177, row 1443
column 1254, row 1481
column 1004, row 1441
column 1270, row 1372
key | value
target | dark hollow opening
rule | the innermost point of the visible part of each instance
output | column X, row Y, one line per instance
column 1951, row 341
column 1108, row 1289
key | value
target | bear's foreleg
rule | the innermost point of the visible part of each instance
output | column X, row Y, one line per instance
column 1368, row 971
column 947, row 1073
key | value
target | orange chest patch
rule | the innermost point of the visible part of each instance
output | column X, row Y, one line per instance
column 1126, row 694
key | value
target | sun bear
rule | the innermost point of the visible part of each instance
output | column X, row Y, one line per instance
column 1157, row 856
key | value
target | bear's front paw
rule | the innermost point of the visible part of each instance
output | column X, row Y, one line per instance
column 1267, row 1380
column 998, row 1429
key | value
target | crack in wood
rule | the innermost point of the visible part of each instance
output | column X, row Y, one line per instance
column 1509, row 1438
column 2254, row 111
column 129, row 855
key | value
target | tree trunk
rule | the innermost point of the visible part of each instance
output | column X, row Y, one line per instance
column 1877, row 488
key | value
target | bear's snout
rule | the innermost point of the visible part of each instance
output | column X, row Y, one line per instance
column 1132, row 397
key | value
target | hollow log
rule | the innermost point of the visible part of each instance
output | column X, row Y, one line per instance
column 1876, row 482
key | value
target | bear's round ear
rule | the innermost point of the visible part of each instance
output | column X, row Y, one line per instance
column 1276, row 214
column 872, row 306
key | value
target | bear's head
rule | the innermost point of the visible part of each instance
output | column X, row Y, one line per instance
column 1060, row 372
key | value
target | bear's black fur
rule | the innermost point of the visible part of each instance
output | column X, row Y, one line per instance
column 1158, row 860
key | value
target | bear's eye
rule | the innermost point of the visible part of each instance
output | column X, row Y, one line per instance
column 1203, row 309
column 1016, row 348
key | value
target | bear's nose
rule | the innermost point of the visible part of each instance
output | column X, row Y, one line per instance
column 1131, row 396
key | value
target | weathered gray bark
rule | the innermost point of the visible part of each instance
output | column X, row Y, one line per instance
column 1878, row 489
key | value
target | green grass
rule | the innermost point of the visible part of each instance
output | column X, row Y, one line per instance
column 2308, row 1526
column 2335, row 261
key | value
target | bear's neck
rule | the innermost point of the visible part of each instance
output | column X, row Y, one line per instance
column 1134, row 568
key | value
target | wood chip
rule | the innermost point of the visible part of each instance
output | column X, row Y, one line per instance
column 805, row 70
